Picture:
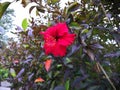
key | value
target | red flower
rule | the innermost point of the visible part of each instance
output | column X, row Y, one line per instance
column 57, row 38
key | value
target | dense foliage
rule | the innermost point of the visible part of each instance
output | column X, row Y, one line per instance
column 91, row 62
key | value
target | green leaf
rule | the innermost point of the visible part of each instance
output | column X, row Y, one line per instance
column 52, row 1
column 26, row 45
column 67, row 61
column 67, row 85
column 74, row 6
column 55, row 1
column 24, row 24
column 6, row 75
column 12, row 72
column 74, row 24
column 52, row 85
column 85, row 31
column 3, row 7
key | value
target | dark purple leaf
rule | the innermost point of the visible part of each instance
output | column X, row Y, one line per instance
column 59, row 88
column 30, row 76
column 34, row 0
column 85, row 25
column 27, row 61
column 30, row 32
column 83, row 72
column 108, row 15
column 77, row 81
column 30, row 57
column 42, row 54
column 31, row 8
column 40, row 9
column 96, row 45
column 107, row 63
column 85, row 35
column 89, row 33
column 101, row 28
column 74, row 6
column 116, row 78
column 67, row 74
column 21, row 72
column 118, row 29
column 19, row 79
column 70, row 19
column 96, row 2
column 113, row 54
column 59, row 18
column 116, row 36
column 74, row 49
column 19, row 29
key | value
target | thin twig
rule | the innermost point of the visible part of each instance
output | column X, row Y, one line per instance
column 106, row 75
column 105, row 12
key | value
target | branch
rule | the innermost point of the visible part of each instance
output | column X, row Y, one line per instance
column 105, row 13
column 106, row 75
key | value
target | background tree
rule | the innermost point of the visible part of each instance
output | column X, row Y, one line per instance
column 6, row 25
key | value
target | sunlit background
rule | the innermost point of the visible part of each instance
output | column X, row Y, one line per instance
column 21, row 12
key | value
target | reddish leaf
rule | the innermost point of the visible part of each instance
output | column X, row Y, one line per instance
column 39, row 80
column 16, row 61
column 48, row 64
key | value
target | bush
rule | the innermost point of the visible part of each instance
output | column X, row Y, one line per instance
column 70, row 50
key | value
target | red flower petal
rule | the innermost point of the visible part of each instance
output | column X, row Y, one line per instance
column 67, row 39
column 59, row 50
column 62, row 29
column 39, row 80
column 48, row 64
column 57, row 38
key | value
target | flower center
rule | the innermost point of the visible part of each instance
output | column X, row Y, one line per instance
column 56, row 38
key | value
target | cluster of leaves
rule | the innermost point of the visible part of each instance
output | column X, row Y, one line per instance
column 90, row 63
column 3, row 73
